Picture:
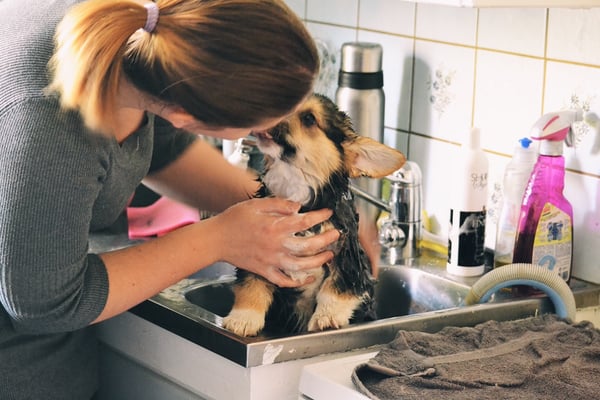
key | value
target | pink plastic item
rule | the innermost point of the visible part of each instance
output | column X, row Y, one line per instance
column 159, row 218
column 545, row 231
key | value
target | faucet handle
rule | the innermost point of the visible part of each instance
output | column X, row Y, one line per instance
column 391, row 234
column 407, row 175
column 400, row 234
column 405, row 193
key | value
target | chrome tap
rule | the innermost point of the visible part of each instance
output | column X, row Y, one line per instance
column 400, row 233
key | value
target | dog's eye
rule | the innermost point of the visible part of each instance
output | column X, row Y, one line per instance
column 308, row 119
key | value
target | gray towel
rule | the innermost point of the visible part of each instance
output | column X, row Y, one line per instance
column 542, row 357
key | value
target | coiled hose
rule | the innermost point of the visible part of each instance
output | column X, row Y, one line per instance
column 529, row 275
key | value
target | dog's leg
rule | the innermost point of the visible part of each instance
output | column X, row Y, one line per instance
column 334, row 309
column 253, row 297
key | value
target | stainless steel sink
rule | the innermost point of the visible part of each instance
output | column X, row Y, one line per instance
column 399, row 291
column 420, row 297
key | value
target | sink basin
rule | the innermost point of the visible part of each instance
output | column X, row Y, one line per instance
column 419, row 297
column 399, row 291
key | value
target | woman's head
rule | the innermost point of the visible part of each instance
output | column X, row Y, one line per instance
column 228, row 63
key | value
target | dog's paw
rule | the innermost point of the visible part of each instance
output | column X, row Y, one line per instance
column 244, row 322
column 321, row 321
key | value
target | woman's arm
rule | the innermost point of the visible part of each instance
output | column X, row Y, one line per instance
column 202, row 177
column 256, row 235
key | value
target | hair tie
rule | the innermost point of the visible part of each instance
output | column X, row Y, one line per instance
column 152, row 18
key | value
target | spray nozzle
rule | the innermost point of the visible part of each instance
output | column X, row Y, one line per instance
column 553, row 129
column 555, row 126
column 563, row 126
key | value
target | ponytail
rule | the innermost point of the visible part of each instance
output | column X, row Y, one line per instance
column 87, row 65
column 229, row 63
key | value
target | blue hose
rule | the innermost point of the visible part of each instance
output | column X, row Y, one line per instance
column 528, row 275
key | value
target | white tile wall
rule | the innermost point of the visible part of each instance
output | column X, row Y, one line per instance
column 447, row 24
column 503, row 110
column 448, row 68
column 396, row 17
column 573, row 35
column 443, row 90
column 517, row 30
column 340, row 12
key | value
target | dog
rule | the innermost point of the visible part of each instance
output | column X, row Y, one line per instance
column 309, row 158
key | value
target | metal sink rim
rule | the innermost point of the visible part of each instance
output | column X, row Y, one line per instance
column 174, row 313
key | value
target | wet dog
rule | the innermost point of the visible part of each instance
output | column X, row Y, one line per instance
column 309, row 158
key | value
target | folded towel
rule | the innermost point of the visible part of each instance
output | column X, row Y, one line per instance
column 541, row 357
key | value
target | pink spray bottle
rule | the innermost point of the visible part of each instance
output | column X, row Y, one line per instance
column 545, row 229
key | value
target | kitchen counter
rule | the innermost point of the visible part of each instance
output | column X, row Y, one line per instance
column 170, row 348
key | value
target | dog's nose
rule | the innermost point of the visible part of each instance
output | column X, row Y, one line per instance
column 261, row 135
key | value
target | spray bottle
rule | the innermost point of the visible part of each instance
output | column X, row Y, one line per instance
column 516, row 177
column 545, row 229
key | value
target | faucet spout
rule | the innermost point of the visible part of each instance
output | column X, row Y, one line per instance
column 400, row 233
column 370, row 198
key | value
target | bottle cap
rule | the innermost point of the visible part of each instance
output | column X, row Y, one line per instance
column 474, row 139
column 360, row 67
column 525, row 142
column 361, row 57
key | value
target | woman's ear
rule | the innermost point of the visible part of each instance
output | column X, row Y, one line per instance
column 178, row 117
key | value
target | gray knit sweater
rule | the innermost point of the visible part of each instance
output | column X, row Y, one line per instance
column 58, row 182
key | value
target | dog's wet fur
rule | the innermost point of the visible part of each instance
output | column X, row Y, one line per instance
column 309, row 158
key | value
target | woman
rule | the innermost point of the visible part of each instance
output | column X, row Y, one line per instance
column 112, row 100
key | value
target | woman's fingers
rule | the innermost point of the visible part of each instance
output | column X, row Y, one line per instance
column 303, row 221
column 296, row 264
column 309, row 245
column 274, row 205
column 263, row 234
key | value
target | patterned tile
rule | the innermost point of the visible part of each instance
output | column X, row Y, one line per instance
column 443, row 89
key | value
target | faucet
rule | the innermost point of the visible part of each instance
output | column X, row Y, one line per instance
column 400, row 233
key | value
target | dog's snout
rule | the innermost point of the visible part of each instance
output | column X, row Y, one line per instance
column 263, row 134
column 278, row 130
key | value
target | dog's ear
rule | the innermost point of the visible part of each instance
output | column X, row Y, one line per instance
column 367, row 157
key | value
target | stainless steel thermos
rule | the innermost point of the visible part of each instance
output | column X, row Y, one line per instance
column 360, row 95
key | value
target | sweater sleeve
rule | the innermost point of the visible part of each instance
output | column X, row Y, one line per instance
column 50, row 176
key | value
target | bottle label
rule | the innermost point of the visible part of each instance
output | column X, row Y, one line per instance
column 466, row 238
column 552, row 245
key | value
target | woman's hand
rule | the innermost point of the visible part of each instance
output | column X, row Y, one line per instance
column 258, row 236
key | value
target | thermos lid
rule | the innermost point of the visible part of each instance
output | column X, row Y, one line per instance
column 362, row 57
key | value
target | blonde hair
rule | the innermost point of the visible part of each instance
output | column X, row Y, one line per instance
column 229, row 63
